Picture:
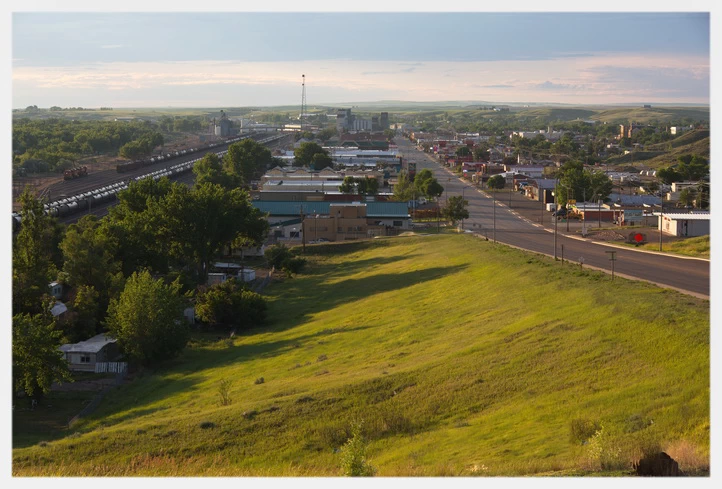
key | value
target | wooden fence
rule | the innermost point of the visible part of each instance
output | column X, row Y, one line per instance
column 111, row 367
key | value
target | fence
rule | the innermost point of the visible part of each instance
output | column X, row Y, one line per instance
column 262, row 285
column 119, row 377
column 111, row 367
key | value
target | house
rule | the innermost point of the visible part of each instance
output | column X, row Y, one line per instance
column 56, row 289
column 541, row 189
column 216, row 278
column 83, row 356
column 680, row 224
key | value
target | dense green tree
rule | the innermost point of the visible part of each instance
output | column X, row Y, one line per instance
column 455, row 209
column 481, row 152
column 303, row 155
column 404, row 190
column 90, row 261
column 463, row 151
column 427, row 185
column 210, row 170
column 37, row 361
column 578, row 183
column 692, row 167
column 147, row 320
column 197, row 224
column 229, row 304
column 321, row 161
column 84, row 312
column 669, row 175
column 33, row 250
column 496, row 182
column 247, row 160
column 359, row 185
column 687, row 197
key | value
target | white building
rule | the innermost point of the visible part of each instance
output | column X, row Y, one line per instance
column 696, row 224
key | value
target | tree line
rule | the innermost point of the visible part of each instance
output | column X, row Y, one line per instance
column 131, row 273
column 53, row 144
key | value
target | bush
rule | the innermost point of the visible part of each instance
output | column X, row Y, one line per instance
column 583, row 429
column 293, row 266
column 353, row 460
column 224, row 387
column 232, row 305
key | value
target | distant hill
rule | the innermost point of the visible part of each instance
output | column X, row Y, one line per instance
column 661, row 114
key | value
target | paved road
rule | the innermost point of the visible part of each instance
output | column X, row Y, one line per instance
column 520, row 226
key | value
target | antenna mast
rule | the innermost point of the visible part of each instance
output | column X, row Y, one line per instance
column 303, row 102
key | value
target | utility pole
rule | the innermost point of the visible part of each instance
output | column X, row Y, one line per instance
column 494, row 214
column 303, row 231
column 556, row 217
column 661, row 222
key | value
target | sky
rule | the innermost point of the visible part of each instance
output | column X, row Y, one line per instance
column 213, row 59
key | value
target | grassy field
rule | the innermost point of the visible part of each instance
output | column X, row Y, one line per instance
column 698, row 247
column 457, row 356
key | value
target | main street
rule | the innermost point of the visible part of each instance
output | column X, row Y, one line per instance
column 521, row 227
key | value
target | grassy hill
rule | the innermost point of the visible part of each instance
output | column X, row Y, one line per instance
column 656, row 113
column 458, row 356
column 664, row 154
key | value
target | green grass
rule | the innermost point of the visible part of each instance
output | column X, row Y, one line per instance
column 697, row 247
column 460, row 357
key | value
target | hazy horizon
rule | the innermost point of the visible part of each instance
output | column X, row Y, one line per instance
column 127, row 60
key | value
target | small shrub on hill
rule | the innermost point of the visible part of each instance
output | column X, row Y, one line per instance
column 583, row 429
column 353, row 461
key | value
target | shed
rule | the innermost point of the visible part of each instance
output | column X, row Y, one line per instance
column 84, row 355
column 247, row 274
column 695, row 224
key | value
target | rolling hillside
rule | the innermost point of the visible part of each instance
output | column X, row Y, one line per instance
column 456, row 356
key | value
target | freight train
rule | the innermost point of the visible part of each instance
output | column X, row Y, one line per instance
column 77, row 172
column 87, row 201
column 134, row 165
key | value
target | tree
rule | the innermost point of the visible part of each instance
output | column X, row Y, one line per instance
column 427, row 185
column 463, row 151
column 33, row 249
column 303, row 155
column 147, row 320
column 321, row 161
column 455, row 209
column 692, row 167
column 196, row 224
column 85, row 310
column 359, row 185
column 247, row 160
column 575, row 182
column 37, row 361
column 687, row 197
column 229, row 304
column 404, row 190
column 210, row 170
column 481, row 152
column 496, row 182
column 669, row 175
column 89, row 255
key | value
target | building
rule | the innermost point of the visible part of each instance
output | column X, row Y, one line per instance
column 676, row 130
column 83, row 356
column 334, row 221
column 223, row 127
column 679, row 224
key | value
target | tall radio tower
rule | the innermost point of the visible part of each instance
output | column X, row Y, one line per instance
column 303, row 102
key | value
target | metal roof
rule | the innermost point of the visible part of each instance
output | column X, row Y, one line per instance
column 688, row 217
column 91, row 345
column 373, row 209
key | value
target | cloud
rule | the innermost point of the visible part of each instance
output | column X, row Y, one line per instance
column 496, row 86
column 547, row 85
column 112, row 46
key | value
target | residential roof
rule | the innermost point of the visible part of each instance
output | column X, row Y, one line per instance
column 91, row 345
column 373, row 209
column 634, row 199
column 545, row 182
column 58, row 309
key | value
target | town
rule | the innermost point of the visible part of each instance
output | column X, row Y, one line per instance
column 375, row 288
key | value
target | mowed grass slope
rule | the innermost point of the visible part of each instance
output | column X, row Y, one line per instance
column 458, row 357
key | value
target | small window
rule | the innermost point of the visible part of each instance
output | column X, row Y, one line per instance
column 398, row 223
column 85, row 359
